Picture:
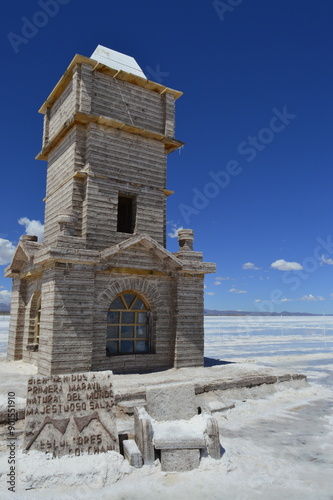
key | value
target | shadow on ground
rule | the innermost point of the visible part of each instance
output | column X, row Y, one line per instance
column 208, row 362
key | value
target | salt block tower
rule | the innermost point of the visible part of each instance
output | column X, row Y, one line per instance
column 102, row 292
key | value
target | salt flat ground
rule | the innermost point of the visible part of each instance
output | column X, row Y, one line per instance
column 278, row 440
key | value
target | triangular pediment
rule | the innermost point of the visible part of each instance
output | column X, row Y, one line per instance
column 140, row 251
column 23, row 254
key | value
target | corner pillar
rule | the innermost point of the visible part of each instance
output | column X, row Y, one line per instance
column 189, row 342
column 16, row 325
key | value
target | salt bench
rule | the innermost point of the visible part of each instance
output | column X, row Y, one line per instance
column 171, row 425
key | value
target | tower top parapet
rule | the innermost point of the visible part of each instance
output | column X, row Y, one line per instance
column 121, row 67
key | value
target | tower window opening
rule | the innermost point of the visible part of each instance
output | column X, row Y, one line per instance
column 126, row 214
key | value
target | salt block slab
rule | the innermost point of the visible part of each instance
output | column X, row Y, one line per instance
column 218, row 406
column 144, row 435
column 132, row 453
column 174, row 401
column 213, row 438
column 71, row 414
column 179, row 434
column 179, row 460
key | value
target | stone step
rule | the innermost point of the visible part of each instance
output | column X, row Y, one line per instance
column 217, row 406
column 128, row 406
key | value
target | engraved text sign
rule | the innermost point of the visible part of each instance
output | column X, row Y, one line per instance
column 71, row 414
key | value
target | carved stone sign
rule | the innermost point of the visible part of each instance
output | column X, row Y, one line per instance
column 71, row 414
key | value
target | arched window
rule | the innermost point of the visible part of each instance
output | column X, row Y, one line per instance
column 127, row 325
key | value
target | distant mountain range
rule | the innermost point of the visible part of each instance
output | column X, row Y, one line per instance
column 215, row 312
column 4, row 308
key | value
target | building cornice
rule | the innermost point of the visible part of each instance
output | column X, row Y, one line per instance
column 119, row 74
column 84, row 119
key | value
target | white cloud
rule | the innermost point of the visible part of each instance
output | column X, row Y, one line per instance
column 326, row 261
column 305, row 298
column 217, row 282
column 281, row 300
column 250, row 265
column 222, row 278
column 33, row 227
column 174, row 228
column 174, row 233
column 5, row 296
column 283, row 265
column 235, row 290
column 210, row 293
column 311, row 298
column 7, row 250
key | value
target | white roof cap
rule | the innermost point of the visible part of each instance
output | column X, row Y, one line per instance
column 117, row 60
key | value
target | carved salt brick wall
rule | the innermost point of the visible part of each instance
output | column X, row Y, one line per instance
column 189, row 348
column 62, row 110
column 104, row 137
column 16, row 324
column 127, row 103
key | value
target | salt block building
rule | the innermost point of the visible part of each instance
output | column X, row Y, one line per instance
column 102, row 292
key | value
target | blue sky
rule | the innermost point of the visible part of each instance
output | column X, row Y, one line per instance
column 254, row 179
